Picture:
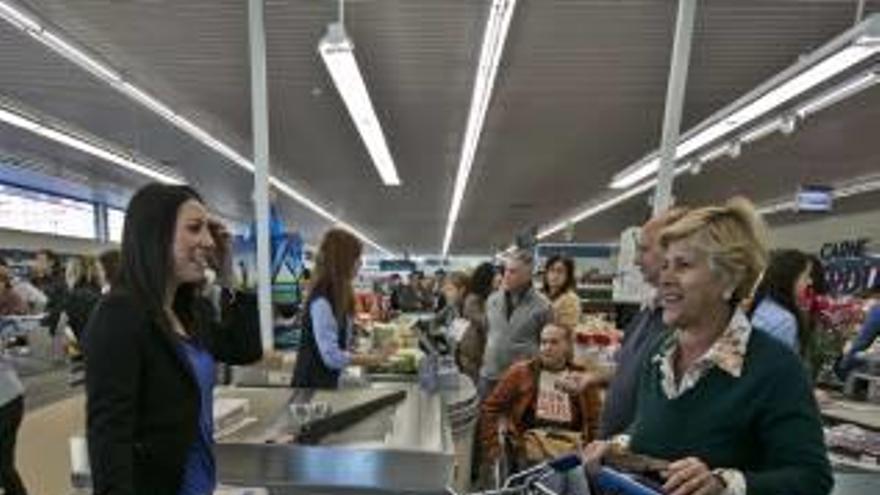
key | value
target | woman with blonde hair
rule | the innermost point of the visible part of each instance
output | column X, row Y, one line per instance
column 728, row 408
column 85, row 283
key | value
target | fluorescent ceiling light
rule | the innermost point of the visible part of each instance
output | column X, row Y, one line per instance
column 605, row 204
column 855, row 187
column 494, row 38
column 855, row 85
column 739, row 115
column 715, row 153
column 337, row 51
column 761, row 131
column 595, row 209
column 77, row 56
column 18, row 120
column 70, row 139
column 18, row 18
column 55, row 41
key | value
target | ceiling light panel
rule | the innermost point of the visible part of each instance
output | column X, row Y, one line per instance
column 57, row 42
column 337, row 52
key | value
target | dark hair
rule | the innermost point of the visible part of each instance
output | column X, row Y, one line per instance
column 817, row 276
column 51, row 255
column 110, row 261
column 147, row 244
column 334, row 269
column 481, row 280
column 570, row 281
column 778, row 283
column 55, row 268
column 8, row 282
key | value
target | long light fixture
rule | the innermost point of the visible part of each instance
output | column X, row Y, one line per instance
column 337, row 51
column 594, row 208
column 854, row 187
column 494, row 39
column 844, row 52
column 86, row 144
column 56, row 42
column 840, row 93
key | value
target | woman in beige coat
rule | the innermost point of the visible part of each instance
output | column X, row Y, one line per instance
column 559, row 287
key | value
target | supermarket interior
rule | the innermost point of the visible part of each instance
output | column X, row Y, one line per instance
column 273, row 247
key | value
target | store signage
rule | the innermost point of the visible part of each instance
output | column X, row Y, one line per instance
column 848, row 249
column 574, row 250
column 814, row 199
column 397, row 266
column 849, row 268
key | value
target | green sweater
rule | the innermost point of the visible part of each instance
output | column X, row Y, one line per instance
column 764, row 423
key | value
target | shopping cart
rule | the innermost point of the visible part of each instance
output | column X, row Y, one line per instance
column 534, row 480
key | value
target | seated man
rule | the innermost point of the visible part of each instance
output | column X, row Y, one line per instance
column 545, row 415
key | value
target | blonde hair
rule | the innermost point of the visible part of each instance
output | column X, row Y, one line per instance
column 83, row 270
column 734, row 238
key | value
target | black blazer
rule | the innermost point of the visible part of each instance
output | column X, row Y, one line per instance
column 142, row 397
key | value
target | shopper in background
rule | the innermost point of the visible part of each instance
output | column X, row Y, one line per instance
column 11, row 302
column 439, row 294
column 151, row 347
column 85, row 283
column 454, row 291
column 49, row 278
column 34, row 299
column 727, row 405
column 643, row 332
column 868, row 334
column 559, row 286
column 426, row 292
column 408, row 296
column 498, row 279
column 11, row 393
column 541, row 418
column 472, row 346
column 109, row 261
column 774, row 307
column 328, row 333
column 516, row 315
column 394, row 287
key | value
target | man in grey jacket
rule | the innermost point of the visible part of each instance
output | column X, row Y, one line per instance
column 516, row 315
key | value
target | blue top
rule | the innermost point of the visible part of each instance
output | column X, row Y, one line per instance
column 326, row 330
column 200, row 472
column 777, row 321
column 867, row 335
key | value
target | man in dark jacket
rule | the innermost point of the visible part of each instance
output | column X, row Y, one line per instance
column 642, row 334
column 49, row 278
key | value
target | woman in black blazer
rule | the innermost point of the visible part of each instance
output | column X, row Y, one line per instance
column 151, row 346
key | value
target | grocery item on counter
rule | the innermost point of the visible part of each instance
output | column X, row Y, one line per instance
column 402, row 362
column 230, row 414
column 854, row 442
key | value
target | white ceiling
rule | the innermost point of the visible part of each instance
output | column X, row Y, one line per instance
column 579, row 96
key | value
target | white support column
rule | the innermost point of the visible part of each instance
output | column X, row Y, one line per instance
column 675, row 90
column 260, row 112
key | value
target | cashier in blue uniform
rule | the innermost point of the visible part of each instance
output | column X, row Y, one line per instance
column 328, row 333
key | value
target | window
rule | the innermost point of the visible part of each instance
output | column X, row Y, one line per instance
column 29, row 211
column 115, row 221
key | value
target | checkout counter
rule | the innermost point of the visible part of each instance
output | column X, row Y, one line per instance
column 380, row 432
column 383, row 432
column 381, row 438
